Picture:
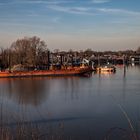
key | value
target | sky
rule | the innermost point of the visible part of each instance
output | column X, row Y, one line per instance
column 72, row 24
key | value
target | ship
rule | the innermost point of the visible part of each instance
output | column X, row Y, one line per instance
column 77, row 71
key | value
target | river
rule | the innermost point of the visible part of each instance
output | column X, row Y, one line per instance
column 102, row 106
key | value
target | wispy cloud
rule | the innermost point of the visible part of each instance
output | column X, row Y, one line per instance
column 71, row 10
column 94, row 11
column 118, row 11
column 49, row 2
column 46, row 1
column 100, row 1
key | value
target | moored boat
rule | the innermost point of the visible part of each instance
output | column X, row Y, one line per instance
column 61, row 72
column 106, row 68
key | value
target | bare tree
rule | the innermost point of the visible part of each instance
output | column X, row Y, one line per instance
column 28, row 51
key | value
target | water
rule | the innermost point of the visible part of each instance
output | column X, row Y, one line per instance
column 75, row 107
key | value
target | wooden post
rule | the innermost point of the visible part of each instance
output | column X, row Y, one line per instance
column 124, row 65
column 99, row 61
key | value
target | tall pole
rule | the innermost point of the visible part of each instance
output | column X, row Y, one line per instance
column 124, row 65
column 98, row 60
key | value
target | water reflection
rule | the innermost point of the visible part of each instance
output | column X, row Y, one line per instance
column 71, row 85
column 25, row 90
column 35, row 91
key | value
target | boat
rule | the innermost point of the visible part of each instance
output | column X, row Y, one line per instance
column 62, row 72
column 106, row 68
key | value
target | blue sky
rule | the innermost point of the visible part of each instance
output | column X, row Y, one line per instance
column 72, row 24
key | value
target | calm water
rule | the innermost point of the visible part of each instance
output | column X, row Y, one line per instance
column 76, row 107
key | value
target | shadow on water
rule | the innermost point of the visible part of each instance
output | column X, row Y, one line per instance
column 35, row 91
column 25, row 90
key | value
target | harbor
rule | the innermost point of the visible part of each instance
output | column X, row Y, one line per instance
column 56, row 107
column 35, row 59
column 69, row 70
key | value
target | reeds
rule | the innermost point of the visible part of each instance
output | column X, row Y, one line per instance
column 133, row 135
column 21, row 129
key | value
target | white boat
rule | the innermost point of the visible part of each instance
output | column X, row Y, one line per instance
column 106, row 68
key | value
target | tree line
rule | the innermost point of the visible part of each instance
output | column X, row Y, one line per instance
column 32, row 53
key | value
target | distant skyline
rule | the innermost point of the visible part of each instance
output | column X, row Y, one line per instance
column 72, row 24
